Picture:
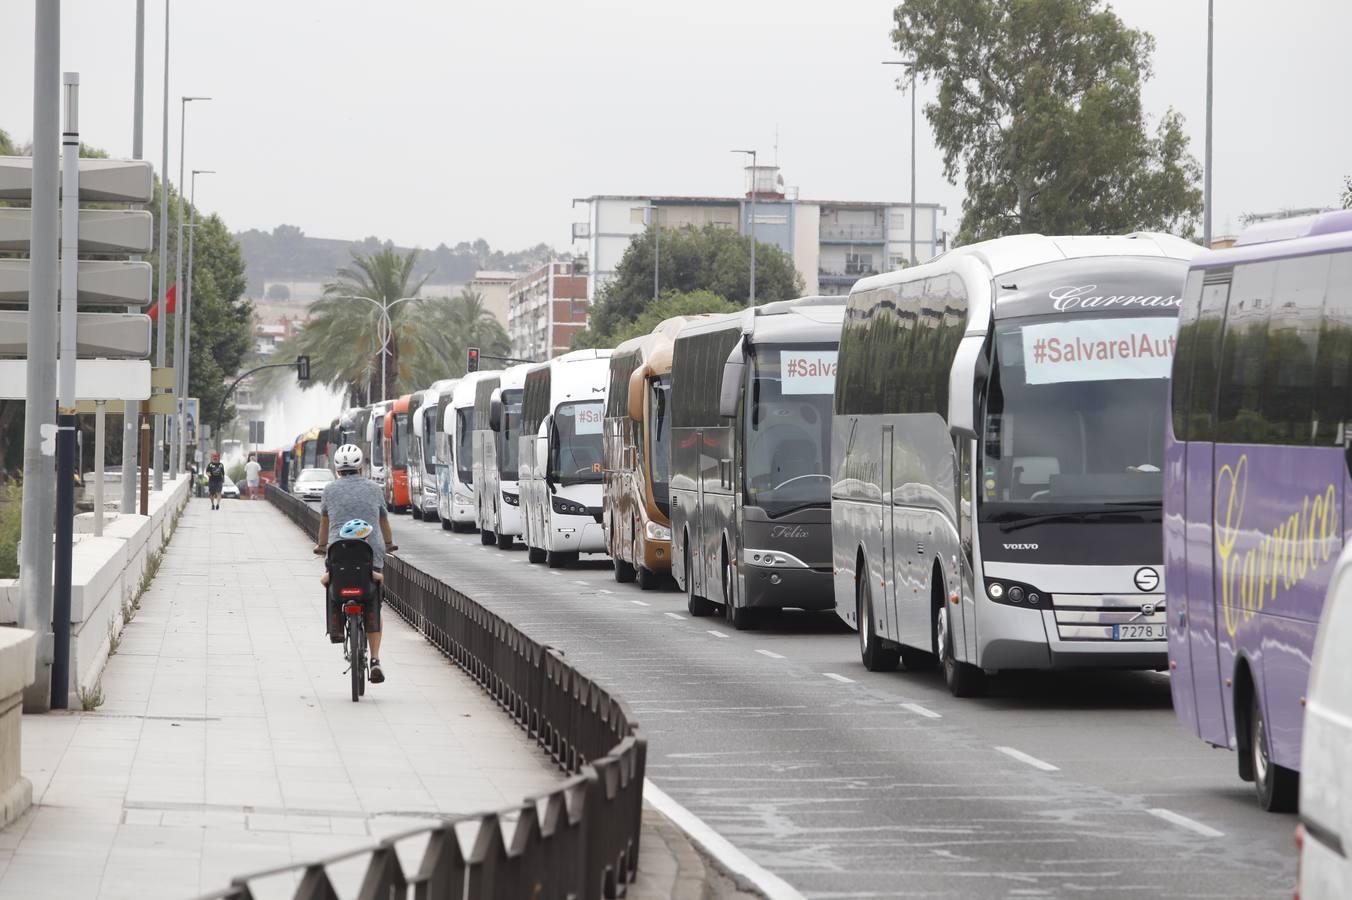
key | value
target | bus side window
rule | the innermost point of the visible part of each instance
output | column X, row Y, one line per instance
column 1293, row 338
column 1333, row 361
column 1206, row 347
column 1239, row 417
column 1183, row 357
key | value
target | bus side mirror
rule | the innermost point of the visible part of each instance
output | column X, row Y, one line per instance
column 966, row 382
column 638, row 382
column 734, row 371
column 495, row 412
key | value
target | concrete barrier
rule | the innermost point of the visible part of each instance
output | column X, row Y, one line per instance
column 18, row 659
column 106, row 573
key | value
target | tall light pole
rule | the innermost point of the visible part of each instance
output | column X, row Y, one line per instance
column 185, row 317
column 385, row 328
column 752, row 154
column 130, row 432
column 1206, row 170
column 162, row 319
column 909, row 64
column 176, row 435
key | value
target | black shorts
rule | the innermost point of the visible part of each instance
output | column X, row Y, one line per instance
column 214, row 488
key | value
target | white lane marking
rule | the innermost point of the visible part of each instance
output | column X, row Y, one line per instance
column 921, row 711
column 674, row 616
column 583, row 583
column 553, row 573
column 638, row 603
column 1184, row 822
column 841, row 678
column 604, row 591
column 770, row 653
column 717, row 633
column 719, row 847
column 1029, row 760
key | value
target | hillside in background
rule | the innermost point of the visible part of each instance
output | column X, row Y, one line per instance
column 288, row 254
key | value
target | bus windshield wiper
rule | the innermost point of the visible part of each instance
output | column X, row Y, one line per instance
column 1007, row 525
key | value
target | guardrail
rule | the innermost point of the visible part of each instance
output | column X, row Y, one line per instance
column 579, row 840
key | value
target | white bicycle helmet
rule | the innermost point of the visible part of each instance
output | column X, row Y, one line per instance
column 347, row 458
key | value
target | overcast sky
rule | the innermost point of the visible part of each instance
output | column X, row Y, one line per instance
column 427, row 121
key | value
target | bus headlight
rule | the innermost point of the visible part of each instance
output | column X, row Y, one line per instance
column 567, row 507
column 996, row 590
column 656, row 532
column 1017, row 594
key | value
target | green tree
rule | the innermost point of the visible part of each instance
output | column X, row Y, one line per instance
column 1039, row 104
column 673, row 304
column 1347, row 192
column 222, row 320
column 710, row 259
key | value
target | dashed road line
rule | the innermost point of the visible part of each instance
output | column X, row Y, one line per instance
column 604, row 591
column 717, row 634
column 638, row 603
column 841, row 678
column 583, row 583
column 770, row 653
column 921, row 710
column 1028, row 760
column 674, row 616
column 1184, row 822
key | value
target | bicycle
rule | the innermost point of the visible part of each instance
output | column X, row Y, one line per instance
column 350, row 573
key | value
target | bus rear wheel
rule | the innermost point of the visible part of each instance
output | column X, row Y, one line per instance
column 535, row 555
column 875, row 656
column 624, row 572
column 697, row 606
column 504, row 542
column 1278, row 787
column 487, row 537
column 648, row 580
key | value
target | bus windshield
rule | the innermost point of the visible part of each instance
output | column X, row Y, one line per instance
column 429, row 440
column 659, row 437
column 788, row 428
column 575, row 445
column 1074, row 415
column 399, row 440
column 464, row 441
column 509, row 449
column 378, row 445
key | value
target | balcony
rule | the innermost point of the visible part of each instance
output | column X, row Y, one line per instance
column 850, row 275
column 851, row 234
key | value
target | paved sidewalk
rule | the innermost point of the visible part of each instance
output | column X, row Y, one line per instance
column 228, row 741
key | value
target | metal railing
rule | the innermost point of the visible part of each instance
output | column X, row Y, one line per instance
column 579, row 840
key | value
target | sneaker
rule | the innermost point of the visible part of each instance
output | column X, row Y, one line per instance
column 377, row 674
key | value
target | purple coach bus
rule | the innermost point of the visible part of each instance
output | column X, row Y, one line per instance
column 1257, row 463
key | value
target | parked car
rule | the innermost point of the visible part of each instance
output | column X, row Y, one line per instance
column 310, row 483
column 1326, row 753
column 229, row 490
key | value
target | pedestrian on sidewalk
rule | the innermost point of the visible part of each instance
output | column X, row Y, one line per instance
column 251, row 474
column 352, row 497
column 215, row 480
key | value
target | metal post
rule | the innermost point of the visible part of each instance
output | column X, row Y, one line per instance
column 913, row 259
column 186, row 315
column 100, row 425
column 1206, row 169
column 162, row 318
column 753, row 229
column 145, row 454
column 388, row 327
column 66, row 420
column 657, row 255
column 130, row 437
column 35, row 555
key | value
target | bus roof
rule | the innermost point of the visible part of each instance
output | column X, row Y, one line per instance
column 465, row 388
column 1300, row 236
column 654, row 348
column 798, row 320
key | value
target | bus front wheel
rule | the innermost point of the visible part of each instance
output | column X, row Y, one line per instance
column 875, row 656
column 1278, row 787
column 963, row 679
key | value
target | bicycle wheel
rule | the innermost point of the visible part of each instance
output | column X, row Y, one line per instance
column 356, row 655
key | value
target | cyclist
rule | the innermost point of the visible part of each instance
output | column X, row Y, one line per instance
column 350, row 497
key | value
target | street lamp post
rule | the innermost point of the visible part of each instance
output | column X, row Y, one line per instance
column 186, row 316
column 176, row 435
column 161, row 342
column 752, row 154
column 386, row 328
column 909, row 64
column 1206, row 171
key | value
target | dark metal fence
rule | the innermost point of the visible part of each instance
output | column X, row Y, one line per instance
column 580, row 840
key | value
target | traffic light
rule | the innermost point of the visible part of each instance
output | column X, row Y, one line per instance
column 302, row 368
column 472, row 360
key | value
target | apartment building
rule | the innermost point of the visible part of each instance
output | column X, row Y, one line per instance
column 833, row 243
column 545, row 308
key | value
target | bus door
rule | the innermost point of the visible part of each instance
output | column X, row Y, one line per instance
column 887, row 592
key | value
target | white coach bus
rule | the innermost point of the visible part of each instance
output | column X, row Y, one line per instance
column 997, row 446
column 501, row 455
column 422, row 458
column 561, row 473
column 455, row 456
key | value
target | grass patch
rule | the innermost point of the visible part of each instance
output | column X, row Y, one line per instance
column 153, row 561
column 91, row 699
column 114, row 639
column 11, row 512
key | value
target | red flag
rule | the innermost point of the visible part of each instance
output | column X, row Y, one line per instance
column 169, row 302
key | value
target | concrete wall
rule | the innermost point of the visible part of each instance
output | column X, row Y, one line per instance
column 106, row 573
column 18, row 659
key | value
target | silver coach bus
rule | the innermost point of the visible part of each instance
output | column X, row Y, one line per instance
column 750, row 470
column 997, row 446
column 484, row 459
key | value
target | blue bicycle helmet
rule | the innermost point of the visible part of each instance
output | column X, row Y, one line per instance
column 355, row 530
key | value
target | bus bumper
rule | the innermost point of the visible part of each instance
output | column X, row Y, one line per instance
column 576, row 534
column 787, row 588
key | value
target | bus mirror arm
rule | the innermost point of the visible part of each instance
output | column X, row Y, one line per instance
column 730, row 391
column 495, row 412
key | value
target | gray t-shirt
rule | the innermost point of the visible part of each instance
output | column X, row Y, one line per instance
column 354, row 497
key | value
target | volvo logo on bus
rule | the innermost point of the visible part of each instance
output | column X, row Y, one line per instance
column 1020, row 546
column 1146, row 579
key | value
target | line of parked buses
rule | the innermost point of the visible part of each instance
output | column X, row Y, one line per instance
column 1028, row 453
